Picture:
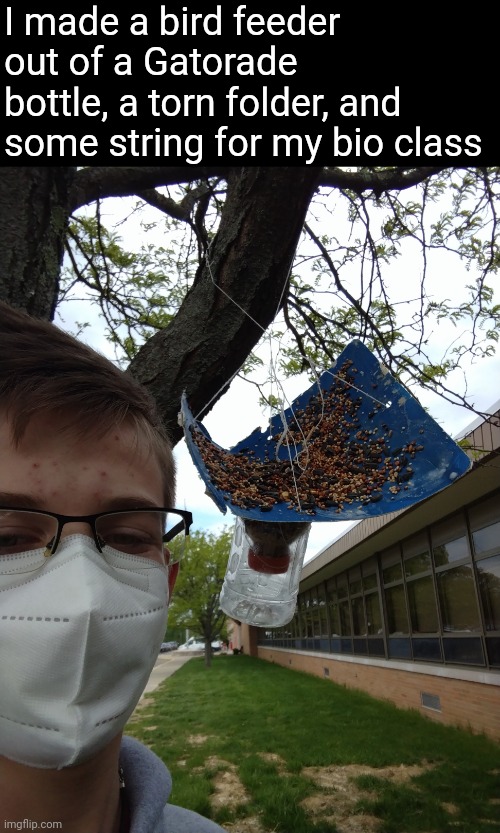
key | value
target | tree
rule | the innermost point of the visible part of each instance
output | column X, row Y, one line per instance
column 194, row 310
column 195, row 601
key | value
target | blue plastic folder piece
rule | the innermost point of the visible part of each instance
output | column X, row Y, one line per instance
column 384, row 409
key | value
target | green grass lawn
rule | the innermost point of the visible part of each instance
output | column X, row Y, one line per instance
column 264, row 749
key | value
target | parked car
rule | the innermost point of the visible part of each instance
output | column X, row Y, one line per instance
column 195, row 643
column 168, row 646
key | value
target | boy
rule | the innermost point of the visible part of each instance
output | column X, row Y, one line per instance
column 86, row 482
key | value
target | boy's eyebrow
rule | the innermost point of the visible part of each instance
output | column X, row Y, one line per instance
column 17, row 500
column 129, row 502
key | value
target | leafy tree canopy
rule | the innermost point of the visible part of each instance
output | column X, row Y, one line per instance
column 226, row 256
column 195, row 601
column 369, row 265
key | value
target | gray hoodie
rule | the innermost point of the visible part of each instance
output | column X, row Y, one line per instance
column 148, row 784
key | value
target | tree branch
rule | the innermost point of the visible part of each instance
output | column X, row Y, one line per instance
column 93, row 183
column 178, row 210
column 164, row 204
column 368, row 179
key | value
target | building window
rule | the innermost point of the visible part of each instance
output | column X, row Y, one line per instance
column 307, row 617
column 358, row 617
column 397, row 615
column 457, row 599
column 485, row 528
column 468, row 651
column 487, row 539
column 488, row 570
column 322, row 621
column 345, row 618
column 493, row 650
column 333, row 609
column 420, row 563
column 391, row 566
column 344, row 608
column 457, row 550
column 454, row 579
column 416, row 555
column 355, row 583
column 449, row 541
column 373, row 614
column 422, row 603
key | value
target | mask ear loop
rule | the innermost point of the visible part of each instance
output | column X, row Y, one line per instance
column 173, row 566
column 172, row 570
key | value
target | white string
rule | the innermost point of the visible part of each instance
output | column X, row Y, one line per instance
column 232, row 299
column 244, row 311
column 217, row 393
column 363, row 392
column 272, row 369
column 283, row 399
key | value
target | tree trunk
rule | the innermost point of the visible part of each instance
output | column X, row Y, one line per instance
column 34, row 212
column 217, row 326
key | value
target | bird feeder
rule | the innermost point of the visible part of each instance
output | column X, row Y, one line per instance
column 356, row 444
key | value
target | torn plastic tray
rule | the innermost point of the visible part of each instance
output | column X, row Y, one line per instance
column 361, row 447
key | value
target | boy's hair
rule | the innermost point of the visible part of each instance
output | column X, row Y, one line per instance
column 43, row 369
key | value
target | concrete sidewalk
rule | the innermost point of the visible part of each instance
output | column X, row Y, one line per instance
column 165, row 666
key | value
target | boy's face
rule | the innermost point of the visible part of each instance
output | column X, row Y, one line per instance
column 52, row 470
column 97, row 621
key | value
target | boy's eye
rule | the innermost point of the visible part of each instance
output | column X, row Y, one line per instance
column 11, row 543
column 133, row 541
column 24, row 531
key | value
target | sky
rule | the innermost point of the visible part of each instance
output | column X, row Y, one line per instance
column 238, row 412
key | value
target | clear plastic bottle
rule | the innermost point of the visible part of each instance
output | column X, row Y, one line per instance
column 263, row 572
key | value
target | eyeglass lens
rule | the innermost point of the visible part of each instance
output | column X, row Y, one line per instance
column 135, row 533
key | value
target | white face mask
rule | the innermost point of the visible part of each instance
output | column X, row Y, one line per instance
column 79, row 635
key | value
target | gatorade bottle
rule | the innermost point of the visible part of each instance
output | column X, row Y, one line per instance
column 263, row 572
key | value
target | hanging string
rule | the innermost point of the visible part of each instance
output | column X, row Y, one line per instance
column 363, row 392
column 273, row 373
column 311, row 366
column 283, row 398
column 228, row 382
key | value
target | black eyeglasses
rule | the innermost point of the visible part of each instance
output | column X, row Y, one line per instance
column 144, row 532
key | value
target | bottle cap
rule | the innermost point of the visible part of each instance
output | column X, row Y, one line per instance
column 262, row 562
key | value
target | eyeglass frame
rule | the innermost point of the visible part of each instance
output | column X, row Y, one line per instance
column 62, row 520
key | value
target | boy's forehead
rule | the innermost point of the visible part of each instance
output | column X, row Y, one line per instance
column 57, row 432
column 57, row 443
column 50, row 445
